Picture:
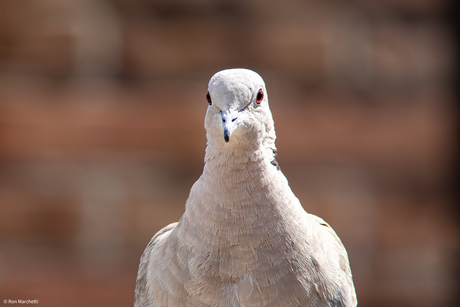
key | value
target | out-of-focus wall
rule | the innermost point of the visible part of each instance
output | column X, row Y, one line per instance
column 102, row 106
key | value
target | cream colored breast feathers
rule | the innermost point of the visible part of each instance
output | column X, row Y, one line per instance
column 244, row 239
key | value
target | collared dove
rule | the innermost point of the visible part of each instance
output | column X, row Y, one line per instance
column 244, row 239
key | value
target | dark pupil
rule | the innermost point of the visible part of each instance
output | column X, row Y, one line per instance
column 259, row 96
column 208, row 98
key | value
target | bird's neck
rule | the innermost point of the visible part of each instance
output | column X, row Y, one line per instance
column 237, row 186
column 239, row 199
column 238, row 175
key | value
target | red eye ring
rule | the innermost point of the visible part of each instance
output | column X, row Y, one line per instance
column 208, row 98
column 260, row 96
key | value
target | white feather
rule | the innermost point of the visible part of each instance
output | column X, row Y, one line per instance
column 244, row 239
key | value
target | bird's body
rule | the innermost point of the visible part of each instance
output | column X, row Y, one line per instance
column 244, row 239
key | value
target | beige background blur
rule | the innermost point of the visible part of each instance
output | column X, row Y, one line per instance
column 102, row 104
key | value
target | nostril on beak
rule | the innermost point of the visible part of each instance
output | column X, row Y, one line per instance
column 233, row 119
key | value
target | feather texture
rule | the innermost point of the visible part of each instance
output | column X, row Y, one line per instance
column 244, row 239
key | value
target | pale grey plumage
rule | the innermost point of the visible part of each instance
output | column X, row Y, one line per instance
column 244, row 239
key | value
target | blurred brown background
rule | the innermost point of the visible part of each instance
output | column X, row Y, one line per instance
column 102, row 104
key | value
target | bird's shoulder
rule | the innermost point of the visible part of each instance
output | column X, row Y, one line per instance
column 334, row 256
column 141, row 298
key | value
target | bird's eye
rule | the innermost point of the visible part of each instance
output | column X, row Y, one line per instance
column 208, row 98
column 260, row 96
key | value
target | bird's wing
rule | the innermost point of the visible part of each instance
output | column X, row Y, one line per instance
column 141, row 297
column 346, row 296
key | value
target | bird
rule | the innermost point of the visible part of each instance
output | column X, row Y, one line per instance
column 244, row 238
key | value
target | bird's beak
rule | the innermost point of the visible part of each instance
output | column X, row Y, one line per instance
column 229, row 123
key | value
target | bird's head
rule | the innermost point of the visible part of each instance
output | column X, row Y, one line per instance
column 238, row 114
